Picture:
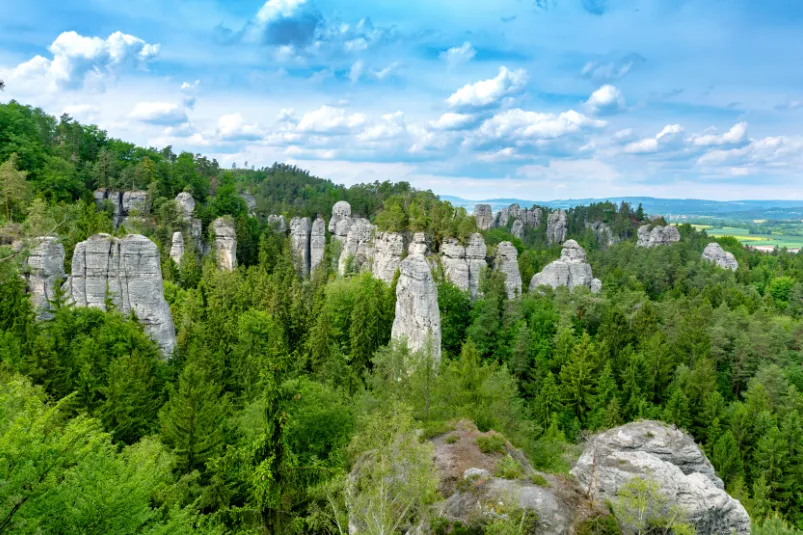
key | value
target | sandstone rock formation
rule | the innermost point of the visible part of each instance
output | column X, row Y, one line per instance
column 341, row 220
column 507, row 262
column 250, row 203
column 177, row 247
column 455, row 266
column 657, row 236
column 570, row 270
column 715, row 254
column 130, row 270
column 603, row 233
column 557, row 227
column 278, row 223
column 317, row 243
column 476, row 253
column 517, row 230
column 502, row 218
column 531, row 216
column 197, row 236
column 483, row 216
column 418, row 318
column 125, row 203
column 514, row 210
column 186, row 203
column 225, row 244
column 44, row 269
column 357, row 247
column 420, row 244
column 653, row 450
column 300, row 230
column 390, row 248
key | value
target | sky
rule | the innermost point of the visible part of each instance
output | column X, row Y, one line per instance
column 534, row 99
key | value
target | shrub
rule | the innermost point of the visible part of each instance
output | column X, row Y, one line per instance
column 451, row 439
column 508, row 468
column 493, row 443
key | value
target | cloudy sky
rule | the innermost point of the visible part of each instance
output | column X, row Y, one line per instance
column 537, row 99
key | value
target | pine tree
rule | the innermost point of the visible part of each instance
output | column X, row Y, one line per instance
column 578, row 378
column 676, row 410
column 547, row 403
column 727, row 459
column 13, row 186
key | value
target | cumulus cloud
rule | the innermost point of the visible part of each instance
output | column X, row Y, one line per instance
column 737, row 134
column 287, row 22
column 458, row 55
column 452, row 121
column 490, row 92
column 775, row 152
column 606, row 100
column 330, row 120
column 611, row 71
column 233, row 127
column 391, row 126
column 159, row 113
column 666, row 138
column 520, row 127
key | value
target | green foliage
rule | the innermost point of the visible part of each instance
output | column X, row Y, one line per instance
column 640, row 508
column 508, row 468
column 492, row 443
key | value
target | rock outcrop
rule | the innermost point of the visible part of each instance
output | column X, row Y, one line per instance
column 186, row 203
column 715, row 254
column 455, row 266
column 657, row 236
column 483, row 216
column 358, row 247
column 44, row 270
column 503, row 217
column 507, row 262
column 570, row 270
column 341, row 221
column 656, row 451
column 418, row 318
column 125, row 203
column 225, row 244
column 300, row 230
column 557, row 227
column 130, row 271
column 420, row 244
column 389, row 249
column 317, row 243
column 277, row 223
column 250, row 203
column 517, row 230
column 476, row 253
column 514, row 210
column 177, row 247
column 531, row 216
column 603, row 233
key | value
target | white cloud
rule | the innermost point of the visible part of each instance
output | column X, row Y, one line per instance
column 187, row 86
column 452, row 121
column 737, row 134
column 613, row 70
column 607, row 99
column 458, row 55
column 159, row 113
column 387, row 72
column 778, row 151
column 519, row 126
column 82, row 112
column 356, row 72
column 392, row 126
column 489, row 92
column 232, row 127
column 666, row 138
column 330, row 120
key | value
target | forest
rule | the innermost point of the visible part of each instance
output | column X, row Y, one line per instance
column 280, row 386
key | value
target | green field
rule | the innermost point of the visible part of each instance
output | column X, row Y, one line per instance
column 764, row 240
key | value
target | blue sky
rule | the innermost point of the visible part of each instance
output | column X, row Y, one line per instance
column 537, row 99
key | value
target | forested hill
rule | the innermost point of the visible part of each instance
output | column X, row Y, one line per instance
column 319, row 400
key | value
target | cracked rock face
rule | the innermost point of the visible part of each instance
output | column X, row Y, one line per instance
column 657, row 236
column 341, row 221
column 417, row 314
column 317, row 245
column 177, row 247
column 300, row 230
column 455, row 266
column 225, row 244
column 653, row 450
column 557, row 227
column 715, row 254
column 531, row 217
column 131, row 271
column 507, row 262
column 390, row 247
column 514, row 210
column 571, row 270
column 357, row 247
column 186, row 203
column 483, row 216
column 44, row 270
column 125, row 203
column 476, row 253
column 420, row 244
column 278, row 223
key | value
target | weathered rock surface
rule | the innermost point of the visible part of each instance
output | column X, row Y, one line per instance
column 341, row 221
column 225, row 244
column 357, row 247
column 531, row 216
column 483, row 216
column 502, row 218
column 278, row 223
column 317, row 244
column 300, row 230
column 417, row 314
column 250, row 203
column 570, row 270
column 557, row 227
column 517, row 230
column 177, row 247
column 507, row 262
column 476, row 253
column 514, row 210
column 43, row 270
column 186, row 203
column 657, row 236
column 715, row 254
column 130, row 270
column 455, row 266
column 420, row 244
column 197, row 236
column 390, row 248
column 125, row 203
column 653, row 450
column 603, row 233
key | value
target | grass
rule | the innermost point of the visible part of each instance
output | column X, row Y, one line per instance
column 494, row 443
column 508, row 468
column 744, row 237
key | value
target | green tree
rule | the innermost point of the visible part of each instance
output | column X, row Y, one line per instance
column 13, row 186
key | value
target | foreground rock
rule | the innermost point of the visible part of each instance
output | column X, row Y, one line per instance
column 507, row 261
column 225, row 244
column 418, row 318
column 476, row 253
column 44, row 271
column 357, row 251
column 300, row 230
column 571, row 270
column 130, row 271
column 557, row 227
column 455, row 266
column 653, row 450
column 715, row 254
column 657, row 236
column 483, row 216
column 389, row 249
column 340, row 224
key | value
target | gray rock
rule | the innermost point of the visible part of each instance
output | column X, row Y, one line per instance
column 250, row 203
column 300, row 230
column 225, row 244
column 473, row 472
column 341, row 221
column 420, row 244
column 531, row 217
column 514, row 210
column 186, row 203
column 517, row 230
column 507, row 262
column 715, row 254
column 390, row 248
column 570, row 270
column 417, row 314
column 653, row 450
column 603, row 233
column 476, row 253
column 44, row 269
column 125, row 203
column 455, row 266
column 197, row 236
column 557, row 227
column 135, row 201
column 130, row 270
column 177, row 248
column 317, row 246
column 358, row 245
column 483, row 216
column 657, row 236
column 502, row 218
column 596, row 286
column 278, row 223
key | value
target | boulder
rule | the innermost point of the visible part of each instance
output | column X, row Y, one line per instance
column 340, row 224
column 603, row 233
column 517, row 230
column 507, row 262
column 571, row 270
column 250, row 203
column 225, row 244
column 670, row 457
column 300, row 230
column 557, row 227
column 129, row 269
column 455, row 266
column 277, row 223
column 177, row 247
column 186, row 203
column 657, row 236
column 483, row 216
column 476, row 253
column 357, row 247
column 417, row 314
column 390, row 248
column 317, row 244
column 44, row 270
column 502, row 218
column 715, row 254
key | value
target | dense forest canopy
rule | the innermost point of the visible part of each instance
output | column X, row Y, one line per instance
column 279, row 385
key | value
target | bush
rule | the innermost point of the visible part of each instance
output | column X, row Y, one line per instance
column 539, row 480
column 493, row 443
column 508, row 468
column 451, row 439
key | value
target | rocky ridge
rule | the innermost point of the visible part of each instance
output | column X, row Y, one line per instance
column 571, row 270
column 657, row 236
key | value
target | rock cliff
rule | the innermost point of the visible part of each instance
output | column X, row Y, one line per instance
column 277, row 223
column 483, row 216
column 44, row 270
column 177, row 247
column 357, row 247
column 341, row 220
column 506, row 261
column 603, row 233
column 390, row 248
column 476, row 253
column 317, row 243
column 225, row 244
column 517, row 230
column 130, row 270
column 186, row 203
column 417, row 314
column 570, row 270
column 125, row 204
column 455, row 266
column 503, row 217
column 657, row 236
column 715, row 254
column 531, row 217
column 300, row 230
column 557, row 227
